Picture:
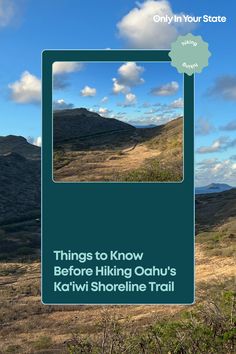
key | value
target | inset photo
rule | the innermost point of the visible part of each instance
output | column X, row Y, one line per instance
column 117, row 122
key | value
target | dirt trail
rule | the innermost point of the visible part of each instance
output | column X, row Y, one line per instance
column 132, row 158
column 103, row 165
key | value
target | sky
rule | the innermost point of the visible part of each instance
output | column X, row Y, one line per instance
column 27, row 27
column 139, row 93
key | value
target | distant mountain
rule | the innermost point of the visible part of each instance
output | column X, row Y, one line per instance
column 76, row 123
column 145, row 126
column 19, row 179
column 213, row 188
column 19, row 145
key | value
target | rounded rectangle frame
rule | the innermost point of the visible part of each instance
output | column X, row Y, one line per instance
column 164, row 212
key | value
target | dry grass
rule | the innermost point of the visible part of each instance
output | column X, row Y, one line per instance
column 106, row 165
column 37, row 327
column 122, row 156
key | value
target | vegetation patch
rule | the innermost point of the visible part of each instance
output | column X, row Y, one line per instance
column 208, row 328
column 153, row 171
column 43, row 342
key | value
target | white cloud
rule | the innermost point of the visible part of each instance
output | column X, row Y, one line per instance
column 103, row 110
column 221, row 144
column 179, row 103
column 130, row 100
column 152, row 111
column 61, row 104
column 7, row 12
column 35, row 141
column 88, row 91
column 38, row 141
column 104, row 99
column 154, row 117
column 61, row 69
column 166, row 90
column 129, row 74
column 149, row 120
column 66, row 67
column 140, row 31
column 215, row 146
column 166, row 111
column 119, row 88
column 27, row 89
column 215, row 170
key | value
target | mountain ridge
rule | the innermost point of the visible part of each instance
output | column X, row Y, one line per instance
column 213, row 188
column 83, row 123
column 19, row 145
column 19, row 179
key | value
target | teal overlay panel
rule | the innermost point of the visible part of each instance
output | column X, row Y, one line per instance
column 153, row 219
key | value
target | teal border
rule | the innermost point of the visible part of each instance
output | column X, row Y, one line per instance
column 51, row 56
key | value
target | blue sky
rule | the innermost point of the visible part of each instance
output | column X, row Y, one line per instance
column 139, row 93
column 27, row 27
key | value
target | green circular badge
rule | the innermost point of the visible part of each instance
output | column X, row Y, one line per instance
column 189, row 54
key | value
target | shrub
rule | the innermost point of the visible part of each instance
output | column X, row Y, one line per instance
column 208, row 328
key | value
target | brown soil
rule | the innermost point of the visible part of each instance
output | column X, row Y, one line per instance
column 103, row 165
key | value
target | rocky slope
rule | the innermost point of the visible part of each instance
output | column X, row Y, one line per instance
column 19, row 179
column 19, row 145
column 215, row 209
